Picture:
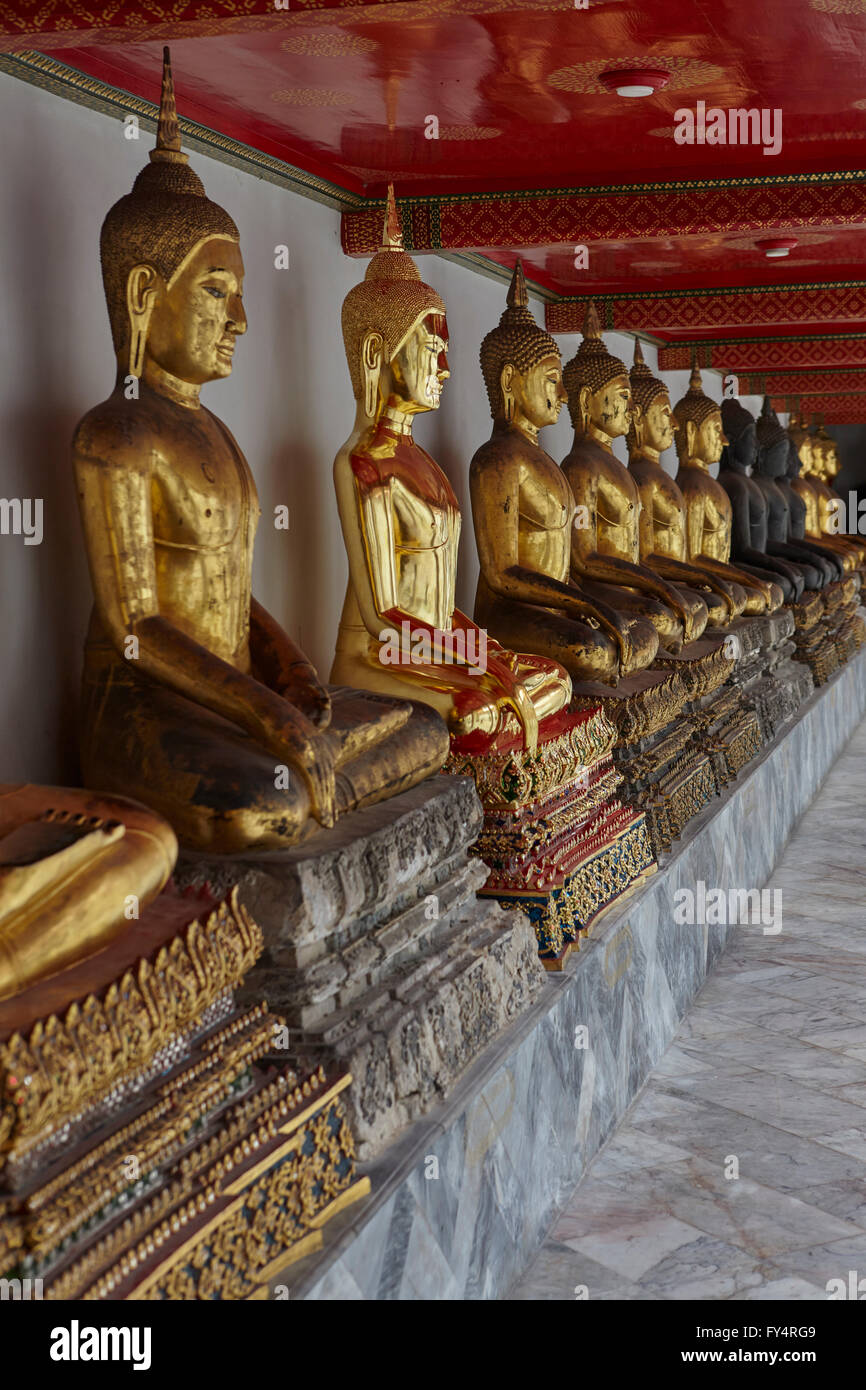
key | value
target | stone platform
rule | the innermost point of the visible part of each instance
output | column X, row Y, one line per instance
column 463, row 1198
column 378, row 953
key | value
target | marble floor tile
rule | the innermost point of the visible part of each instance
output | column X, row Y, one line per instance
column 560, row 1273
column 631, row 1149
column 749, row 1215
column 768, row 1068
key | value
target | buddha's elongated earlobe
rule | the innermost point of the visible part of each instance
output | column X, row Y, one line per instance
column 372, row 348
column 140, row 301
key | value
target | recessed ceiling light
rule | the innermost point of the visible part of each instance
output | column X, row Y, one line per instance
column 635, row 82
column 777, row 246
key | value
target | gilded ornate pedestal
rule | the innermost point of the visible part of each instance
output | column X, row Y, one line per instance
column 153, row 1141
column 558, row 841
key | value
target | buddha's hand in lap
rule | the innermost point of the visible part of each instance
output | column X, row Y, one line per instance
column 302, row 688
column 314, row 702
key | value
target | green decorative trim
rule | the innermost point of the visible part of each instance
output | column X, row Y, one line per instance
column 608, row 299
column 668, row 186
column 704, row 343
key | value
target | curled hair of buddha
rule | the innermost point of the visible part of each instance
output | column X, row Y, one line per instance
column 645, row 388
column 162, row 220
column 592, row 365
column 391, row 300
column 695, row 406
column 517, row 340
column 771, row 431
column 819, row 433
column 735, row 419
column 798, row 431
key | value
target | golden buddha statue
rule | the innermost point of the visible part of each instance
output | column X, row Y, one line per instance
column 400, row 631
column 699, row 443
column 195, row 700
column 807, row 484
column 831, row 508
column 523, row 513
column 662, row 520
column 605, row 548
column 75, row 870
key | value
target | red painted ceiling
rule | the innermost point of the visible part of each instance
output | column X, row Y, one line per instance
column 343, row 90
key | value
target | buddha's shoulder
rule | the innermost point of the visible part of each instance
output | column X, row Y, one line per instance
column 111, row 432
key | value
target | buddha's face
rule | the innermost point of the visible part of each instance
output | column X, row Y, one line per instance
column 774, row 461
column 196, row 319
column 659, row 424
column 610, row 407
column 710, row 439
column 831, row 460
column 805, row 453
column 421, row 366
column 538, row 393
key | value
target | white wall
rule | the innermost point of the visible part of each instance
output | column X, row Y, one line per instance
column 288, row 401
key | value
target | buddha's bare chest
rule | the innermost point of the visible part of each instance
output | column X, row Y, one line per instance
column 617, row 498
column 545, row 500
column 202, row 494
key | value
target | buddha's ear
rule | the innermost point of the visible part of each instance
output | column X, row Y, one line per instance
column 506, row 388
column 372, row 353
column 691, row 437
column 636, row 414
column 584, row 396
column 141, row 288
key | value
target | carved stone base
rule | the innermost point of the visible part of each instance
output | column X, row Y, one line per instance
column 814, row 647
column 667, row 774
column 638, row 706
column 770, row 683
column 379, row 954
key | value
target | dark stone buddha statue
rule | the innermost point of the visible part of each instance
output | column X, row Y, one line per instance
column 770, row 475
column 750, row 528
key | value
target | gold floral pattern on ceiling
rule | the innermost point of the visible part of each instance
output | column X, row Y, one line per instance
column 840, row 6
column 311, row 96
column 469, row 132
column 339, row 45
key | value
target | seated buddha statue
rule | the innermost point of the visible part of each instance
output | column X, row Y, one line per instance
column 401, row 526
column 699, row 442
column 831, row 509
column 771, row 466
column 605, row 546
column 804, row 482
column 523, row 512
column 195, row 701
column 662, row 523
column 749, row 505
column 788, row 483
column 70, row 861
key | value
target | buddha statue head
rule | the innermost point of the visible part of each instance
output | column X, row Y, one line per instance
column 652, row 426
column 740, row 430
column 700, row 439
column 172, row 267
column 599, row 394
column 832, row 462
column 822, row 450
column 773, row 443
column 801, row 440
column 522, row 366
column 394, row 332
